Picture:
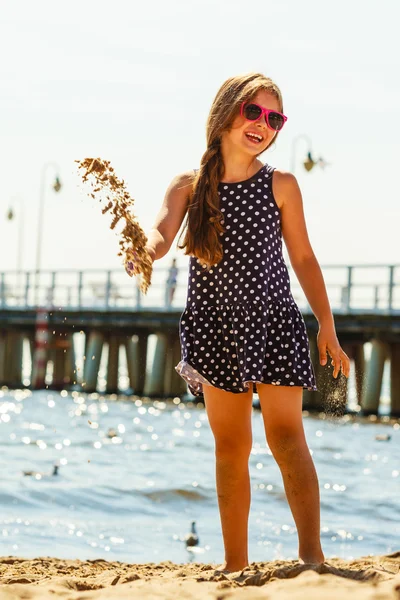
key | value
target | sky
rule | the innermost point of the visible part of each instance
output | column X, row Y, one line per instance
column 133, row 82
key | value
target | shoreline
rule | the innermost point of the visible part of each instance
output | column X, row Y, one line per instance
column 43, row 578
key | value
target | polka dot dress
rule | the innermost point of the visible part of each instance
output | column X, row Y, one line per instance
column 241, row 324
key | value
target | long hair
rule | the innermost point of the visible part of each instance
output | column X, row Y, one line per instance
column 203, row 225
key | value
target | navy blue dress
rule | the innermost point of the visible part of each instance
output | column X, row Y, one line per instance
column 241, row 324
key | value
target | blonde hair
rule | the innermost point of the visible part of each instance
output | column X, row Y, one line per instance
column 203, row 225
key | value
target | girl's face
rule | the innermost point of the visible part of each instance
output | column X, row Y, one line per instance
column 238, row 136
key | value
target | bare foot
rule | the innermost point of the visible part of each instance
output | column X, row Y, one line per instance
column 317, row 559
column 227, row 568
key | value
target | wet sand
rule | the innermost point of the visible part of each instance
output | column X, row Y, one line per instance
column 365, row 578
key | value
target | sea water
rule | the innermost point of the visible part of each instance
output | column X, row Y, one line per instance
column 133, row 473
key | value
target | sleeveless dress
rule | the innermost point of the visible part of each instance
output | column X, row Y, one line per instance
column 241, row 324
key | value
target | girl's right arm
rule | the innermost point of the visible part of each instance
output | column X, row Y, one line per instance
column 170, row 216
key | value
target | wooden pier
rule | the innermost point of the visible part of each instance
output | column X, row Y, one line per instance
column 105, row 318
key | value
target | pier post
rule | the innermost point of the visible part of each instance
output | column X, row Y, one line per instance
column 174, row 384
column 155, row 385
column 3, row 354
column 167, row 384
column 179, row 387
column 18, row 359
column 395, row 379
column 372, row 389
column 86, row 346
column 142, row 344
column 136, row 358
column 39, row 361
column 360, row 369
column 12, row 362
column 131, row 361
column 63, row 357
column 71, row 375
column 112, row 365
column 92, row 362
column 58, row 357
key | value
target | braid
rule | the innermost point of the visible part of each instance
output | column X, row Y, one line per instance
column 204, row 218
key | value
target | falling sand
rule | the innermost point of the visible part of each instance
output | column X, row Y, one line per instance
column 106, row 186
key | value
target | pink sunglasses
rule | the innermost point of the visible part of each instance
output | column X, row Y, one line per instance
column 252, row 112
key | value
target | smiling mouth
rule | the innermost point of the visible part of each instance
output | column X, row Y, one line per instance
column 254, row 137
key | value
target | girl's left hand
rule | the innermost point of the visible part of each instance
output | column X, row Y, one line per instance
column 327, row 342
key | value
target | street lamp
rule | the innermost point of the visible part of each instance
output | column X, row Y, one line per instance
column 56, row 185
column 20, row 215
column 309, row 163
column 20, row 241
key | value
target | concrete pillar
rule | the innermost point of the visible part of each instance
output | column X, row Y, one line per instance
column 142, row 344
column 112, row 365
column 92, row 362
column 136, row 359
column 58, row 358
column 63, row 357
column 31, row 341
column 13, row 359
column 180, row 388
column 3, row 352
column 32, row 346
column 174, row 384
column 86, row 349
column 18, row 357
column 131, row 360
column 39, row 362
column 360, row 369
column 372, row 389
column 71, row 376
column 395, row 379
column 343, row 392
column 155, row 384
column 167, row 384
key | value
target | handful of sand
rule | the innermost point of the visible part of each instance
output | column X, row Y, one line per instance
column 106, row 186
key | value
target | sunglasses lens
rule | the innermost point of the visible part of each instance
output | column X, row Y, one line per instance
column 252, row 112
column 275, row 121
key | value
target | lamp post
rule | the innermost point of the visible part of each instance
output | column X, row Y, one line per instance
column 56, row 187
column 20, row 215
column 309, row 163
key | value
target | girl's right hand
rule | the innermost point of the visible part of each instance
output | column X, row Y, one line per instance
column 131, row 266
column 130, row 263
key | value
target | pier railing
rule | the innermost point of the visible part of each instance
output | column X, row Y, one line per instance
column 358, row 287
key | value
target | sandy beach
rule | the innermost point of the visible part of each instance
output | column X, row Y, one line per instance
column 373, row 577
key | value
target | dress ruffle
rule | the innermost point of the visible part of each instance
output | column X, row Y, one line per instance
column 245, row 343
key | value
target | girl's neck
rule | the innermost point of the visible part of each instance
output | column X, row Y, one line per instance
column 239, row 166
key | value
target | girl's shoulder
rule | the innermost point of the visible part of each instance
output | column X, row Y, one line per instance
column 184, row 179
column 180, row 188
column 284, row 185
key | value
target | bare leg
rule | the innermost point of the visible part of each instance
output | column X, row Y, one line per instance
column 229, row 416
column 283, row 422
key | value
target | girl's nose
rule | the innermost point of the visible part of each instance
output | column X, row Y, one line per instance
column 263, row 120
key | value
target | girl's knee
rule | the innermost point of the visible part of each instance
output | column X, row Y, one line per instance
column 286, row 442
column 233, row 450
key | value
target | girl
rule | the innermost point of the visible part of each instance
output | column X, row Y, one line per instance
column 241, row 326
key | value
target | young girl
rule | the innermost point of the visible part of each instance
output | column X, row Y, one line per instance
column 241, row 326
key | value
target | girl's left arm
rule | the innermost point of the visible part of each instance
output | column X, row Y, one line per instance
column 303, row 260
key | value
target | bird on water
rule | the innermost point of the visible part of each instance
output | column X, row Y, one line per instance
column 192, row 539
column 39, row 475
